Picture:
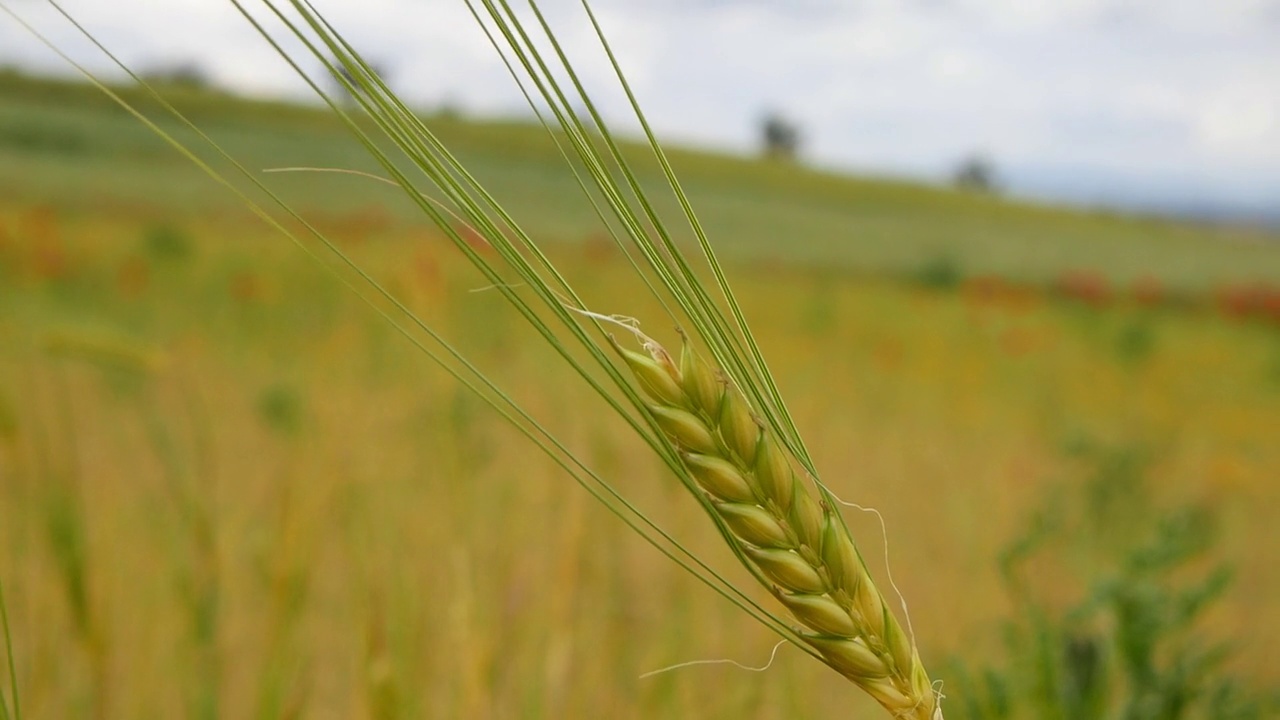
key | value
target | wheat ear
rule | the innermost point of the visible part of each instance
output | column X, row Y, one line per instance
column 798, row 546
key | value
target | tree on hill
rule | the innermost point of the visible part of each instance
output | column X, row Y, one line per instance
column 780, row 137
column 187, row 73
column 339, row 86
column 976, row 173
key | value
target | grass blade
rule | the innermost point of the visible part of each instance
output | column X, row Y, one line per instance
column 13, row 671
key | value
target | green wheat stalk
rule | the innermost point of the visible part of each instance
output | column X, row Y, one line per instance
column 719, row 424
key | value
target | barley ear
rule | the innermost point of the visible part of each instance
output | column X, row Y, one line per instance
column 796, row 544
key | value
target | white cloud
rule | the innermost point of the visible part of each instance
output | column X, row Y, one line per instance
column 1240, row 121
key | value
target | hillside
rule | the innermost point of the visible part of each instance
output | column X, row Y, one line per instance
column 66, row 144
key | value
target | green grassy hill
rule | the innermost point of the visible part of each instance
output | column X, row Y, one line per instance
column 67, row 145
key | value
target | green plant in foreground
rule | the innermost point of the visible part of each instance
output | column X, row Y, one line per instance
column 725, row 432
column 1131, row 648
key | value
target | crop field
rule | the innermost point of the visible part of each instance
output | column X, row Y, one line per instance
column 230, row 488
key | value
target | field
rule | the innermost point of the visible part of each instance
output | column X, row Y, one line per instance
column 229, row 489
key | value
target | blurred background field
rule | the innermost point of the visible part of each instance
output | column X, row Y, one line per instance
column 228, row 489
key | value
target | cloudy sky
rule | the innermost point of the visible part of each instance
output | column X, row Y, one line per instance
column 1138, row 102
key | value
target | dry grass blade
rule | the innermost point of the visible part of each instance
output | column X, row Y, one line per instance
column 5, row 713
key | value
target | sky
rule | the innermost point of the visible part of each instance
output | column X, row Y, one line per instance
column 1168, row 104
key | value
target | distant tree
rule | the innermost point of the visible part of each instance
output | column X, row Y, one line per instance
column 448, row 109
column 976, row 173
column 378, row 69
column 780, row 136
column 187, row 73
